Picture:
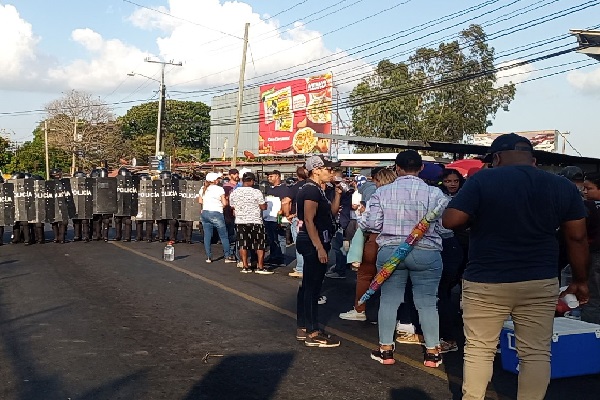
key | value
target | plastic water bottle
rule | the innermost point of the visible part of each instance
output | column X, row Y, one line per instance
column 169, row 252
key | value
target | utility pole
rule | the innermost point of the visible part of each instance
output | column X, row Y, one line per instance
column 161, row 102
column 240, row 98
column 74, row 144
column 46, row 149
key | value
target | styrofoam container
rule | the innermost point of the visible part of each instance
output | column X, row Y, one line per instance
column 575, row 348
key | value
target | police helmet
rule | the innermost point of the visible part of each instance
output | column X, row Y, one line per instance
column 95, row 173
column 124, row 172
column 103, row 173
column 79, row 174
column 55, row 173
column 27, row 175
column 145, row 177
column 165, row 175
column 37, row 178
column 17, row 175
column 176, row 176
column 572, row 173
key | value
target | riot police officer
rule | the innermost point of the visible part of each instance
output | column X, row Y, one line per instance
column 37, row 229
column 172, row 223
column 20, row 230
column 122, row 217
column 100, row 221
column 81, row 226
column 59, row 227
column 145, row 209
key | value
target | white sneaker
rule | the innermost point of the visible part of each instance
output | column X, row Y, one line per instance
column 208, row 260
column 240, row 264
column 322, row 300
column 354, row 315
column 295, row 274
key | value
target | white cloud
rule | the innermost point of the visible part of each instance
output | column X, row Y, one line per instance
column 586, row 82
column 514, row 74
column 209, row 46
column 17, row 46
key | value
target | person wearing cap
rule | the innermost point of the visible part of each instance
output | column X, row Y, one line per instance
column 212, row 197
column 574, row 174
column 514, row 210
column 248, row 204
column 394, row 211
column 316, row 229
column 279, row 203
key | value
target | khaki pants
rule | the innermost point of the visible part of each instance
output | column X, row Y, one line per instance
column 485, row 307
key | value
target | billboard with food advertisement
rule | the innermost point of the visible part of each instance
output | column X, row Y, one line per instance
column 541, row 140
column 291, row 113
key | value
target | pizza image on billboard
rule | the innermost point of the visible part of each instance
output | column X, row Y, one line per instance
column 291, row 113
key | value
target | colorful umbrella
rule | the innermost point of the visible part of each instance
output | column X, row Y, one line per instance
column 403, row 250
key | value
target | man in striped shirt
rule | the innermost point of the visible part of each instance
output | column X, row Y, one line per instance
column 394, row 210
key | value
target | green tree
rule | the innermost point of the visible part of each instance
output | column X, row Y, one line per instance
column 186, row 130
column 5, row 154
column 30, row 156
column 440, row 94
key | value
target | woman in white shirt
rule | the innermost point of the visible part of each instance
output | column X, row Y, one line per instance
column 212, row 198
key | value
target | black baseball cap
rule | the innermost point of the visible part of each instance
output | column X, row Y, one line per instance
column 248, row 176
column 409, row 160
column 274, row 172
column 507, row 142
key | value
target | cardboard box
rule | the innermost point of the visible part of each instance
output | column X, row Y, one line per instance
column 575, row 348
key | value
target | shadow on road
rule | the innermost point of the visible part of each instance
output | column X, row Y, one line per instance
column 409, row 393
column 128, row 387
column 250, row 376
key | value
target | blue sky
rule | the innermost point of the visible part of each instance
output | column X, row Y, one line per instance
column 53, row 46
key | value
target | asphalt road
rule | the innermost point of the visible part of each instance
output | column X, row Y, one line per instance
column 113, row 321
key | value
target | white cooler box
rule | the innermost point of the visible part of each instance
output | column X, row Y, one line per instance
column 575, row 348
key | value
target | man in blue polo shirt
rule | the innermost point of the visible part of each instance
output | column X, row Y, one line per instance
column 514, row 210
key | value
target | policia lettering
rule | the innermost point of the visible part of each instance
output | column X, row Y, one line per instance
column 28, row 202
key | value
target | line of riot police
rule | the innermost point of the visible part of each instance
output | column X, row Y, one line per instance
column 27, row 202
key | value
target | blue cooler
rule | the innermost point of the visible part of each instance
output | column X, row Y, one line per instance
column 575, row 348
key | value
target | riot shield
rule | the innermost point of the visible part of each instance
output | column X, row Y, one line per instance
column 104, row 193
column 81, row 190
column 127, row 196
column 170, row 205
column 24, row 200
column 44, row 201
column 148, row 200
column 68, row 195
column 7, row 204
column 189, row 191
column 61, row 201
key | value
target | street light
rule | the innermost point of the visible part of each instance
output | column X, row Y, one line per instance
column 160, row 106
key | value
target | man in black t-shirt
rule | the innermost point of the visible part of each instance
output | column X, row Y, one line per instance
column 514, row 210
column 279, row 202
column 302, row 175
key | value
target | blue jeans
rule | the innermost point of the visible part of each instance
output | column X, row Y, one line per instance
column 277, row 242
column 340, row 258
column 425, row 270
column 211, row 220
column 299, row 258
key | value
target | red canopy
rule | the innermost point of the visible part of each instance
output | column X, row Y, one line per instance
column 463, row 166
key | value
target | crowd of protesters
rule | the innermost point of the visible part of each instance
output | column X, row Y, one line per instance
column 505, row 230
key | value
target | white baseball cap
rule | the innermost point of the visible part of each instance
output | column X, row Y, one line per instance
column 212, row 176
